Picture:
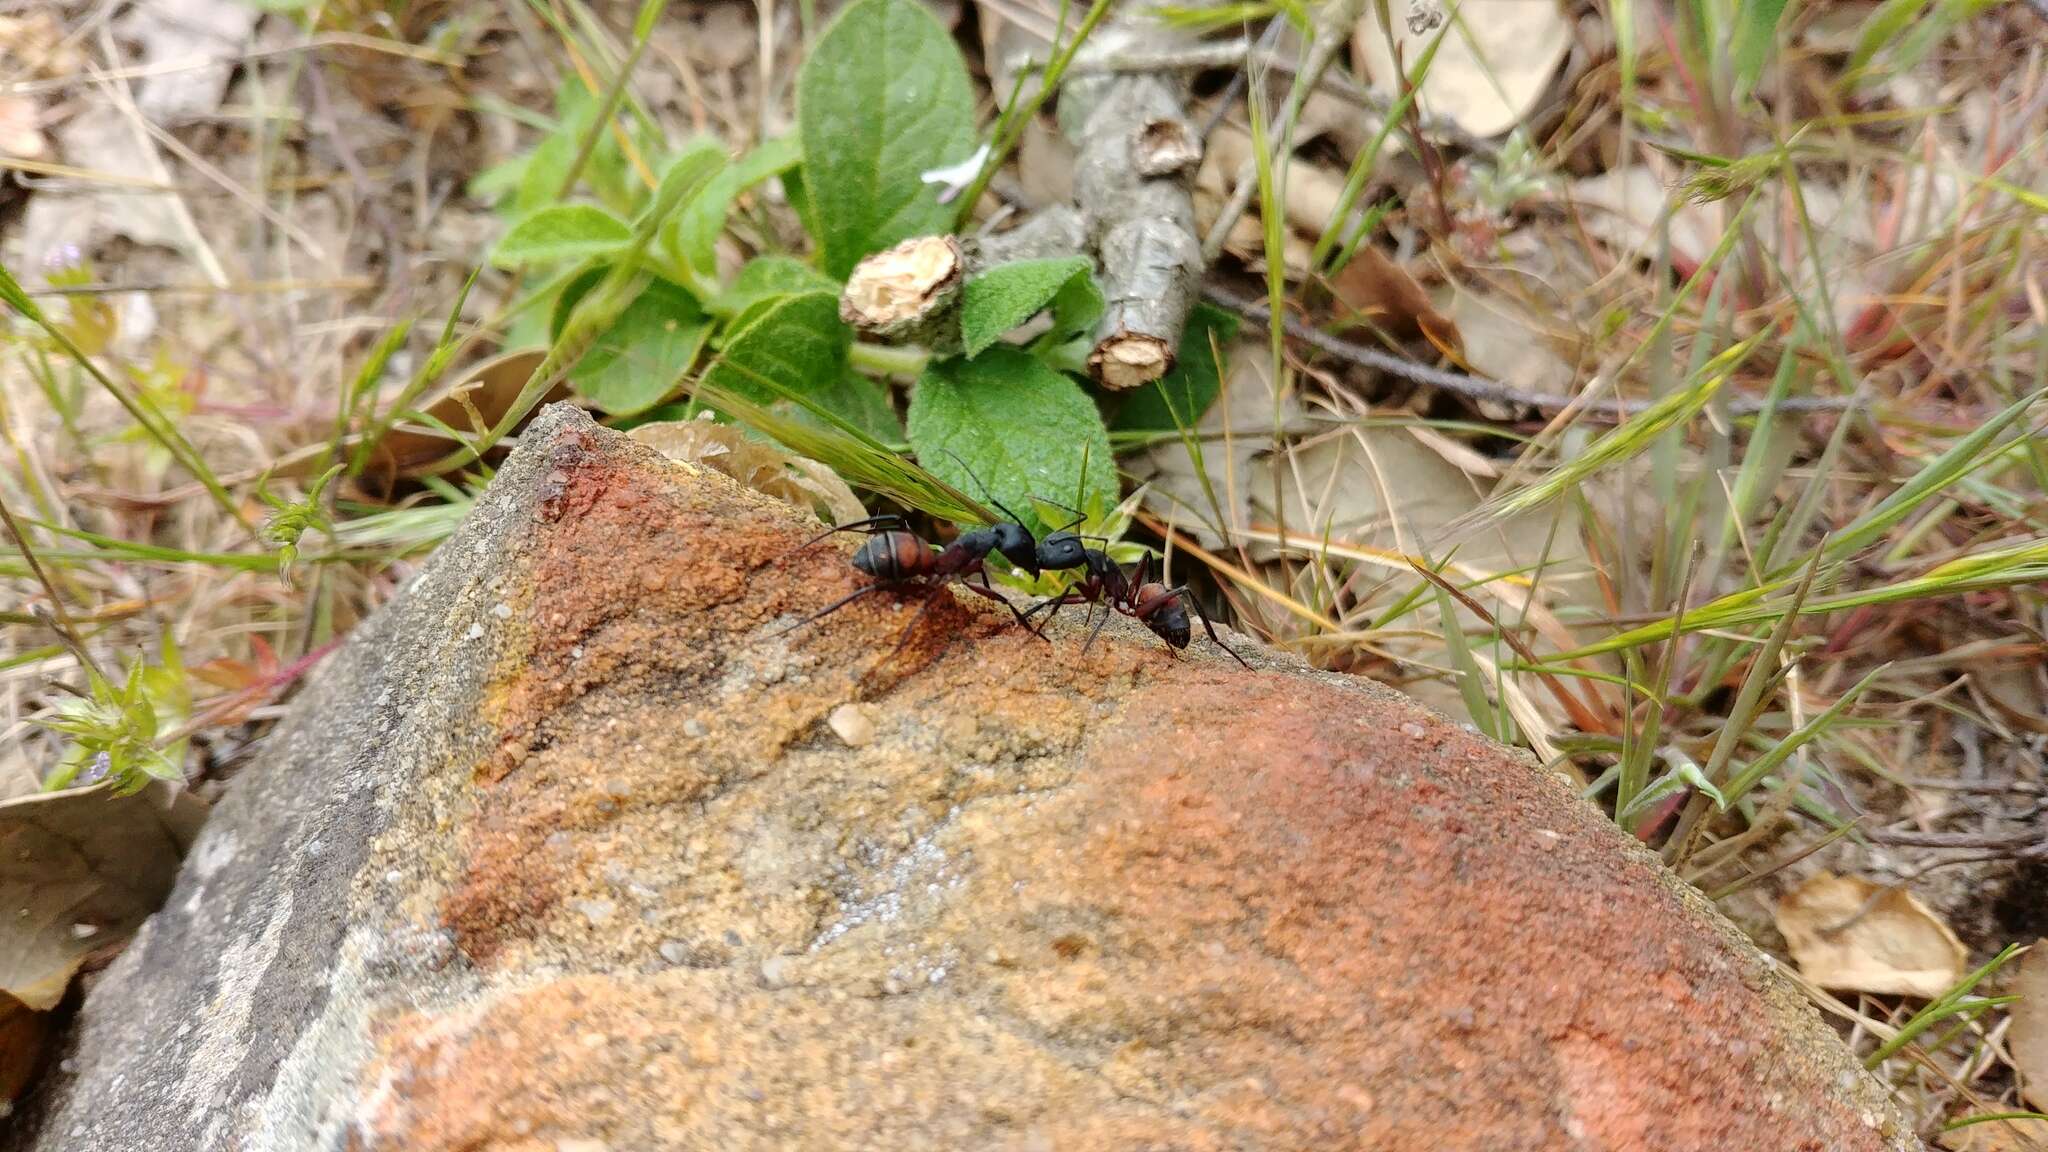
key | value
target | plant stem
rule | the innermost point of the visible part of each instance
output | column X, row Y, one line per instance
column 906, row 362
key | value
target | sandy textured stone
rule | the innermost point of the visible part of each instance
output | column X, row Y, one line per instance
column 562, row 852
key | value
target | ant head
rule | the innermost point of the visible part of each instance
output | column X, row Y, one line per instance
column 1170, row 621
column 1016, row 545
column 1062, row 550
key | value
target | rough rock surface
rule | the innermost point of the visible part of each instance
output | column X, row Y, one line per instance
column 568, row 851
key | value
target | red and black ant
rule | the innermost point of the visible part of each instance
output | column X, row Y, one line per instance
column 899, row 559
column 1163, row 610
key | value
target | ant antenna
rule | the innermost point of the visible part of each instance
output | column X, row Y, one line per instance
column 1080, row 492
column 986, row 494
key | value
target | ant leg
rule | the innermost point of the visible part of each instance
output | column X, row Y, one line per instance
column 931, row 598
column 1191, row 602
column 1052, row 602
column 829, row 609
column 983, row 589
column 1108, row 610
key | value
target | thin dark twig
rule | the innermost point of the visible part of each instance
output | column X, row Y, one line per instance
column 1480, row 387
column 2028, row 840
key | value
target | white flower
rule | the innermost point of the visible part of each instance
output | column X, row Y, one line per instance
column 957, row 177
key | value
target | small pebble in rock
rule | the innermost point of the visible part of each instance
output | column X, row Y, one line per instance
column 693, row 728
column 475, row 631
column 1414, row 730
column 501, row 610
column 674, row 951
column 851, row 724
column 596, row 911
column 775, row 972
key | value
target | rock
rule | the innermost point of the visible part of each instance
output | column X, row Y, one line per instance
column 1058, row 901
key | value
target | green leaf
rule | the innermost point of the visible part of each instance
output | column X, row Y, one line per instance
column 697, row 228
column 796, row 344
column 1075, row 310
column 1009, row 294
column 1756, row 34
column 766, row 277
column 688, row 177
column 857, row 400
column 562, row 232
column 637, row 361
column 1684, row 774
column 1179, row 398
column 1024, row 429
column 540, row 180
column 882, row 99
column 1884, row 25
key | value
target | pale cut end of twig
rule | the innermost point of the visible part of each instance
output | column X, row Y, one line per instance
column 1165, row 146
column 1129, row 359
column 898, row 292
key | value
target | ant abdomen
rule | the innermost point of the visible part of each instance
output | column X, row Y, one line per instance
column 894, row 557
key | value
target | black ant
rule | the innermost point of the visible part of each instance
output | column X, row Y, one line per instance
column 898, row 558
column 1163, row 610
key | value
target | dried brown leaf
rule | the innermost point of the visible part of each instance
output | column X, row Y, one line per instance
column 21, row 133
column 1623, row 208
column 35, row 46
column 1496, row 61
column 1312, row 195
column 202, row 39
column 2028, row 1036
column 1375, row 289
column 2022, row 1135
column 1045, row 165
column 489, row 388
column 80, row 870
column 704, row 442
column 1503, row 341
column 1849, row 934
column 24, row 1032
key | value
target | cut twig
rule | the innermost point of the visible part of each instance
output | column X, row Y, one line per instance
column 909, row 293
column 1134, row 181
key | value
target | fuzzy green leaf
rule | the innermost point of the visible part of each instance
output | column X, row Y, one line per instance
column 766, row 277
column 795, row 344
column 1009, row 294
column 1024, row 429
column 1075, row 310
column 698, row 226
column 636, row 362
column 693, row 172
column 857, row 400
column 559, row 233
column 882, row 99
column 1179, row 398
